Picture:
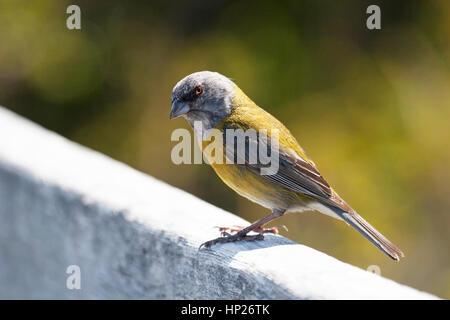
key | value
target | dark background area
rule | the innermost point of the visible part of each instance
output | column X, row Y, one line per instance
column 371, row 107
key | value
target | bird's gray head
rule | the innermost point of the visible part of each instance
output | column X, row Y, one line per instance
column 203, row 96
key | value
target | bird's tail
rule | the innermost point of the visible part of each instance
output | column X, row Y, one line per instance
column 357, row 222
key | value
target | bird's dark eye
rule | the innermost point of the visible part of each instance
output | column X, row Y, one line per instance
column 198, row 90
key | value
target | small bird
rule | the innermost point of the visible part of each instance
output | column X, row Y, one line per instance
column 215, row 102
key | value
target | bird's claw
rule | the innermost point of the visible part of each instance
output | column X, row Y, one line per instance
column 232, row 238
column 233, row 234
column 273, row 230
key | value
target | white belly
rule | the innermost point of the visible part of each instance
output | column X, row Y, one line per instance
column 315, row 206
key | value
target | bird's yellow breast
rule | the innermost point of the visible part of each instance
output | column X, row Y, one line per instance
column 247, row 115
column 253, row 186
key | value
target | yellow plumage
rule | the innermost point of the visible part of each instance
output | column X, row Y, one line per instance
column 247, row 115
column 297, row 185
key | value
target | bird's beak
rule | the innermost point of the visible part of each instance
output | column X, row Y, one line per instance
column 179, row 108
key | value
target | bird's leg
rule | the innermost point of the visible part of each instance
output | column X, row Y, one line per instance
column 241, row 235
column 224, row 230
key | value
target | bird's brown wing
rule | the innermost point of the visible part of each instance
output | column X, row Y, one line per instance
column 300, row 175
column 294, row 172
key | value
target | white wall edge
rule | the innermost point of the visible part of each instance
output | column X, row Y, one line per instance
column 135, row 237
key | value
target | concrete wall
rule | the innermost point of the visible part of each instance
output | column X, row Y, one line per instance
column 135, row 237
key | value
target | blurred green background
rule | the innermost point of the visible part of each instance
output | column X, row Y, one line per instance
column 371, row 108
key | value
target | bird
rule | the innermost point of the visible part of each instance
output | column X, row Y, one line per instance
column 215, row 102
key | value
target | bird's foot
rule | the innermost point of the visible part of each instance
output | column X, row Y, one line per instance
column 233, row 229
column 239, row 236
column 226, row 237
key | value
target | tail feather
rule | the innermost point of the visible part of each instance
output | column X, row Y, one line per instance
column 373, row 235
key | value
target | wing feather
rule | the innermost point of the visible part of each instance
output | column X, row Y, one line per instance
column 294, row 173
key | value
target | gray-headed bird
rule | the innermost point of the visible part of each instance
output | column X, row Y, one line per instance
column 214, row 101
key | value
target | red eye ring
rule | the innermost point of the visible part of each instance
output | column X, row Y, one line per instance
column 198, row 90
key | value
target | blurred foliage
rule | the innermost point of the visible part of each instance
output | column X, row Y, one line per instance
column 370, row 107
